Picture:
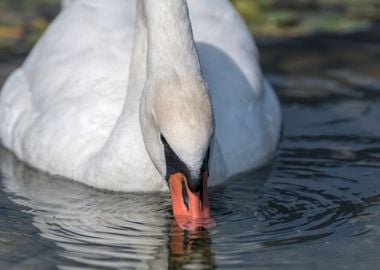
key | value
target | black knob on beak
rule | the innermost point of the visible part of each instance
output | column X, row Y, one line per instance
column 195, row 184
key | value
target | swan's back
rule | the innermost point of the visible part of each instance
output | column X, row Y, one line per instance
column 58, row 110
column 75, row 81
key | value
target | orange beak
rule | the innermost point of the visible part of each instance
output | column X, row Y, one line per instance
column 192, row 212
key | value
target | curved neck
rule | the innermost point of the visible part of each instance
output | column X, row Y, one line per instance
column 137, row 70
column 170, row 38
column 163, row 43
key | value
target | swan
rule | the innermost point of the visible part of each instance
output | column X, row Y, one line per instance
column 143, row 96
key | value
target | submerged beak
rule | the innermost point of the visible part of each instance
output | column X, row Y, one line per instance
column 191, row 209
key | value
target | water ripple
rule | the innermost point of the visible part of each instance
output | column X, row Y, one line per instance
column 320, row 196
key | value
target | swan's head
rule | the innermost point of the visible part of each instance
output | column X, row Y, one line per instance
column 177, row 125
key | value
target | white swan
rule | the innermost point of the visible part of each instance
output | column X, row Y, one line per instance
column 71, row 110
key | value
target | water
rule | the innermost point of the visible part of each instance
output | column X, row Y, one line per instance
column 316, row 206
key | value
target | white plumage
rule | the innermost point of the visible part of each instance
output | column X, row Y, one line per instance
column 66, row 111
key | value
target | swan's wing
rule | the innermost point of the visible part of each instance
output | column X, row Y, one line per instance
column 71, row 87
column 15, row 103
column 217, row 24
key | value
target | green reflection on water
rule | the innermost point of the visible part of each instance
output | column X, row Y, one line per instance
column 23, row 21
column 299, row 17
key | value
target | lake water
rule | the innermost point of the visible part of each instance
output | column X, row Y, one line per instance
column 315, row 206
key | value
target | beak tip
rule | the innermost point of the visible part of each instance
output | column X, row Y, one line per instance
column 196, row 214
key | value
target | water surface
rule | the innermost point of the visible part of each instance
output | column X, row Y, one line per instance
column 315, row 206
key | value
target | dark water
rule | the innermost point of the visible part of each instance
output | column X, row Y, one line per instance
column 316, row 206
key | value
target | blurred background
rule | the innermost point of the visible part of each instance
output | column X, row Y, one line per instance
column 320, row 196
column 22, row 22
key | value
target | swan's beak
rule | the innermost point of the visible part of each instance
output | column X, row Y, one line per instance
column 191, row 209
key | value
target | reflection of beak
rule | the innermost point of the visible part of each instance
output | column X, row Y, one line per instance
column 187, row 248
column 191, row 209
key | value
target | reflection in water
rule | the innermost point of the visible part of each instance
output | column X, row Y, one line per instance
column 92, row 228
column 320, row 197
column 303, row 202
column 186, row 247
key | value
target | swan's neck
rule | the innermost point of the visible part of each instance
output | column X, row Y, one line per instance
column 137, row 70
column 163, row 45
column 173, row 82
column 170, row 38
column 164, row 51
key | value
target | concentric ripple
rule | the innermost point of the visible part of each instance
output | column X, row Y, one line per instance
column 316, row 206
column 295, row 203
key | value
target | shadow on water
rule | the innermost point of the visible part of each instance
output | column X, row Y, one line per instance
column 315, row 207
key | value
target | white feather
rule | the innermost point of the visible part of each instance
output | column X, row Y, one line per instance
column 66, row 111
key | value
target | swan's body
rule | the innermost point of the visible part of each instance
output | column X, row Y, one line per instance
column 66, row 111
